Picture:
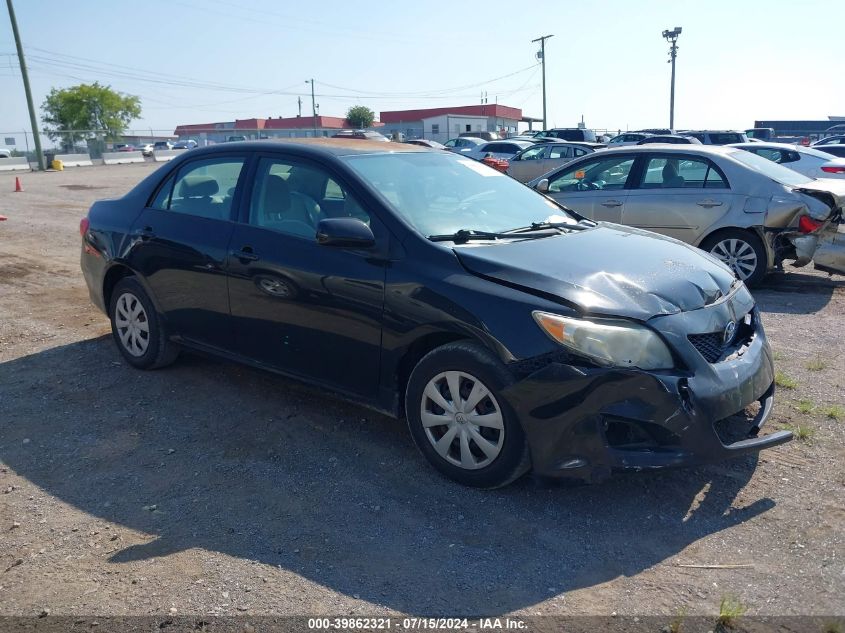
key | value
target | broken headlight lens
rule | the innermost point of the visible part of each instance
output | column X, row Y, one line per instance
column 608, row 341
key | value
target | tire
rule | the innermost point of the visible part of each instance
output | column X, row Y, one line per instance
column 137, row 328
column 460, row 457
column 739, row 250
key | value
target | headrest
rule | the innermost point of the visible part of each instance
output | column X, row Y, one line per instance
column 276, row 195
column 198, row 187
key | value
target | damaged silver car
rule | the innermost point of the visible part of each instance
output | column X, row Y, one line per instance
column 749, row 212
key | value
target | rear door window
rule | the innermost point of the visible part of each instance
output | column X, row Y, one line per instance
column 669, row 172
column 561, row 151
column 204, row 188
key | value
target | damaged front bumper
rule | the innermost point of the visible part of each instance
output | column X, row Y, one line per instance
column 586, row 422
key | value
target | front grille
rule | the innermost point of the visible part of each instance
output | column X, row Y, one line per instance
column 713, row 347
column 708, row 345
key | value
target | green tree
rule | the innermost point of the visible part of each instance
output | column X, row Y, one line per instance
column 360, row 116
column 87, row 112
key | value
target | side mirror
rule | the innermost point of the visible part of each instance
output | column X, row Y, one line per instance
column 348, row 232
column 542, row 186
column 516, row 157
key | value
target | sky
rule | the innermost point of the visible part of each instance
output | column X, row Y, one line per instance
column 201, row 61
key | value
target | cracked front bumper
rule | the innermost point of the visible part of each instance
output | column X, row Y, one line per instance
column 588, row 422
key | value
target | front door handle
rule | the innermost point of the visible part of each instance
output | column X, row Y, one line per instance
column 245, row 254
column 709, row 204
column 611, row 203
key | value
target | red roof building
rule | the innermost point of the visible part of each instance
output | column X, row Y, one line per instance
column 441, row 124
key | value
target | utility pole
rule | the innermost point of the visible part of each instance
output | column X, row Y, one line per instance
column 32, row 120
column 672, row 38
column 313, row 105
column 299, row 105
column 542, row 55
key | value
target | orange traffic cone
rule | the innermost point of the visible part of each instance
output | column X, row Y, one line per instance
column 18, row 185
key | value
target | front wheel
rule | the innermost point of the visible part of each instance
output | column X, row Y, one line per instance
column 742, row 251
column 459, row 419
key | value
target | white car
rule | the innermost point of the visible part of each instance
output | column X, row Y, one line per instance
column 5, row 153
column 463, row 144
column 506, row 149
column 810, row 161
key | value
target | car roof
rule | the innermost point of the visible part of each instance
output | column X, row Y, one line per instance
column 517, row 142
column 317, row 146
column 710, row 132
column 671, row 148
column 765, row 144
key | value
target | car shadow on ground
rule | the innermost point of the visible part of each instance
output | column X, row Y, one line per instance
column 212, row 455
column 796, row 291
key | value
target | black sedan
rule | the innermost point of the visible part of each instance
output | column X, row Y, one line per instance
column 510, row 332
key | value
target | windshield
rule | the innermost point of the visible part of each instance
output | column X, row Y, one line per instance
column 778, row 173
column 444, row 193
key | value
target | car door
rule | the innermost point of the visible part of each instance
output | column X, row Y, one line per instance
column 595, row 187
column 180, row 243
column 310, row 310
column 529, row 163
column 678, row 195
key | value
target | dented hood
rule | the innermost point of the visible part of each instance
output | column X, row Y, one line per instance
column 609, row 270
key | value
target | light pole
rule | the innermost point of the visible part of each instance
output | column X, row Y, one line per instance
column 313, row 105
column 25, row 76
column 542, row 55
column 672, row 38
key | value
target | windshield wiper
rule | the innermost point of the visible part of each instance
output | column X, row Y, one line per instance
column 465, row 235
column 542, row 226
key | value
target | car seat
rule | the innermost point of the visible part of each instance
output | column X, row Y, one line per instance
column 286, row 211
column 671, row 179
column 195, row 196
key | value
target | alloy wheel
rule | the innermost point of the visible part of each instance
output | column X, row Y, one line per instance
column 132, row 324
column 738, row 254
column 462, row 420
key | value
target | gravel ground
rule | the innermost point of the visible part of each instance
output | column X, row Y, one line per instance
column 210, row 488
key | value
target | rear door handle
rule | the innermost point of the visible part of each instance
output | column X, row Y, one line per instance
column 246, row 254
column 611, row 203
column 709, row 204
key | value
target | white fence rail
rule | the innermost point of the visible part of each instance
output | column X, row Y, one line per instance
column 14, row 164
column 122, row 158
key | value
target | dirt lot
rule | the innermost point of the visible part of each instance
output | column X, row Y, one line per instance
column 209, row 488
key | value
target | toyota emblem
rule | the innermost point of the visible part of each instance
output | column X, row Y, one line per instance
column 728, row 334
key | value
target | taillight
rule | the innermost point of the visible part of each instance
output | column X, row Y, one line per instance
column 83, row 226
column 807, row 224
column 834, row 169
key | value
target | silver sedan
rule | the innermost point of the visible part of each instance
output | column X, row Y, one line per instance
column 746, row 210
column 543, row 157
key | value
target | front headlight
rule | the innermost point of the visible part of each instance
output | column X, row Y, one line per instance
column 608, row 341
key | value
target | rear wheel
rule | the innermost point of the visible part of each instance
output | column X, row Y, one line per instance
column 742, row 251
column 137, row 328
column 459, row 419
